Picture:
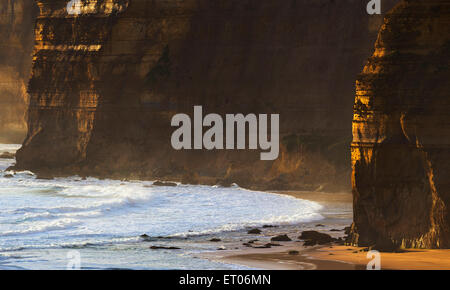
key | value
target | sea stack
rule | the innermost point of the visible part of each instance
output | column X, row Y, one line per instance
column 107, row 80
column 401, row 132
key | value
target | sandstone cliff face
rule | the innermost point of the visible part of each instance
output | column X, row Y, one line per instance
column 17, row 18
column 401, row 132
column 106, row 83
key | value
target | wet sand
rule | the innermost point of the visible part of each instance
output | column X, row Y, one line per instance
column 338, row 258
column 329, row 257
column 279, row 259
column 320, row 197
column 413, row 259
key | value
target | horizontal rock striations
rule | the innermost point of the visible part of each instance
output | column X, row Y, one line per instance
column 106, row 83
column 401, row 132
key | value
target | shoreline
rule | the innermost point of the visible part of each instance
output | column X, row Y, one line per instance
column 324, row 257
column 293, row 255
column 277, row 259
column 329, row 257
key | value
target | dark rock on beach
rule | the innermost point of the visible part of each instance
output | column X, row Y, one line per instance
column 162, row 183
column 170, row 238
column 312, row 238
column 145, row 237
column 273, row 245
column 281, row 238
column 309, row 243
column 164, row 248
column 215, row 240
column 266, row 246
column 254, row 232
column 269, row 226
column 8, row 175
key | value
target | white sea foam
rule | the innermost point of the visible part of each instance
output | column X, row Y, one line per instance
column 70, row 211
column 38, row 227
column 132, row 208
column 9, row 148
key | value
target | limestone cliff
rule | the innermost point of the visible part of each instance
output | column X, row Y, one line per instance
column 17, row 18
column 401, row 132
column 106, row 83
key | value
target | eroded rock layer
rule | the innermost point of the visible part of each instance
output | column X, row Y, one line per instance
column 401, row 132
column 17, row 18
column 106, row 83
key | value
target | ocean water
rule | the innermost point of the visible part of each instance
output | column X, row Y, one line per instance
column 44, row 222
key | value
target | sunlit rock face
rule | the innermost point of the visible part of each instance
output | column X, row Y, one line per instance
column 106, row 7
column 401, row 132
column 109, row 75
column 17, row 19
column 68, row 66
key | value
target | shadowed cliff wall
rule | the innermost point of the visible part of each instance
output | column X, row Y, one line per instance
column 401, row 132
column 105, row 85
column 17, row 18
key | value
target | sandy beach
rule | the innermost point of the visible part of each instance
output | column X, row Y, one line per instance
column 294, row 256
column 334, row 258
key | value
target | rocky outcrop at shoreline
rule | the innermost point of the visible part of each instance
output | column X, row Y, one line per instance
column 106, row 83
column 401, row 132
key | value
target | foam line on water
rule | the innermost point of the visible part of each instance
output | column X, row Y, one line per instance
column 67, row 211
column 12, row 148
column 40, row 227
